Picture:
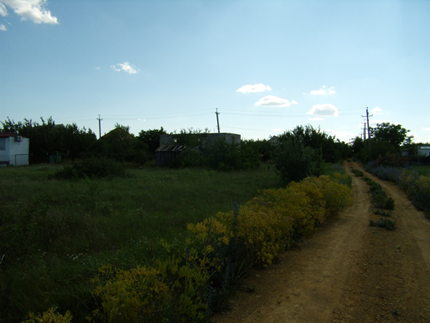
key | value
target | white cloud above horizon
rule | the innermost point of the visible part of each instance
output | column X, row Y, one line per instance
column 377, row 110
column 3, row 28
column 324, row 110
column 324, row 91
column 125, row 67
column 254, row 88
column 273, row 101
column 33, row 10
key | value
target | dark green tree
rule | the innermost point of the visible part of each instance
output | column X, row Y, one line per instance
column 299, row 153
column 151, row 138
column 392, row 134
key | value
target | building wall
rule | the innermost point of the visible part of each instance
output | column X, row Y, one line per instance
column 16, row 153
column 424, row 151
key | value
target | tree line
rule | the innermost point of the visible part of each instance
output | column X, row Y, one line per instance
column 296, row 153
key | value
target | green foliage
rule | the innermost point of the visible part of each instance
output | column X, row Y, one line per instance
column 50, row 316
column 48, row 138
column 151, row 138
column 295, row 161
column 187, row 288
column 380, row 212
column 225, row 156
column 92, row 168
column 119, row 222
column 357, row 172
column 301, row 152
column 384, row 223
column 390, row 134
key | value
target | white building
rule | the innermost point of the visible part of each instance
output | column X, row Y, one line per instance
column 14, row 149
column 424, row 150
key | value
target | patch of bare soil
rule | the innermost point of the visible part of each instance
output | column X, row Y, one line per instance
column 347, row 272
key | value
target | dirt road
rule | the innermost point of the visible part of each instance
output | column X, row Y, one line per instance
column 348, row 272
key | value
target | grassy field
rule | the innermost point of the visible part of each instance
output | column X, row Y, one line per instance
column 54, row 235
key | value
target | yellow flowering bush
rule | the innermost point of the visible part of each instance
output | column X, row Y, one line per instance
column 207, row 242
column 186, row 286
column 133, row 295
column 50, row 316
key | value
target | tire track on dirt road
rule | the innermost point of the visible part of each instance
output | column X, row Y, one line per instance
column 395, row 271
column 307, row 284
column 347, row 272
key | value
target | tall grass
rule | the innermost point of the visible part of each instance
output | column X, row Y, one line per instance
column 54, row 235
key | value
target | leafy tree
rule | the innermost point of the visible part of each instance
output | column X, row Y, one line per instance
column 386, row 138
column 295, row 158
column 388, row 133
column 48, row 138
column 151, row 138
column 118, row 144
column 78, row 143
column 191, row 137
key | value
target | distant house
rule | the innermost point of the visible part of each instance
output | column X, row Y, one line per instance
column 421, row 151
column 169, row 149
column 424, row 151
column 14, row 149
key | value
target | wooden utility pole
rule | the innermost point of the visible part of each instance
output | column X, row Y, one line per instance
column 217, row 119
column 100, row 126
column 364, row 132
column 368, row 127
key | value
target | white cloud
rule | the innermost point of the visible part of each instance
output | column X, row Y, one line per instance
column 273, row 101
column 323, row 91
column 3, row 28
column 254, row 88
column 377, row 110
column 125, row 67
column 324, row 110
column 294, row 102
column 3, row 10
column 34, row 10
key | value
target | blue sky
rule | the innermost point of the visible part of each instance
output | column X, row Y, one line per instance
column 267, row 66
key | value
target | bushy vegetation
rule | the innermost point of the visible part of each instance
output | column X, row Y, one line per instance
column 381, row 201
column 416, row 184
column 218, row 252
column 92, row 168
column 92, row 247
column 384, row 223
column 54, row 235
column 302, row 152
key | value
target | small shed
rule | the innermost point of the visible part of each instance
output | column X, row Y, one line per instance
column 170, row 149
column 166, row 154
column 14, row 149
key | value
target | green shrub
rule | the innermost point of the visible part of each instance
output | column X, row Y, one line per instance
column 92, row 168
column 50, row 316
column 384, row 223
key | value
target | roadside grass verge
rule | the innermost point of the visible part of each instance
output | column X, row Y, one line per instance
column 414, row 180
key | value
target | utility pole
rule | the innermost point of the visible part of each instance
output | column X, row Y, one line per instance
column 364, row 132
column 100, row 126
column 368, row 127
column 217, row 119
column 368, row 124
